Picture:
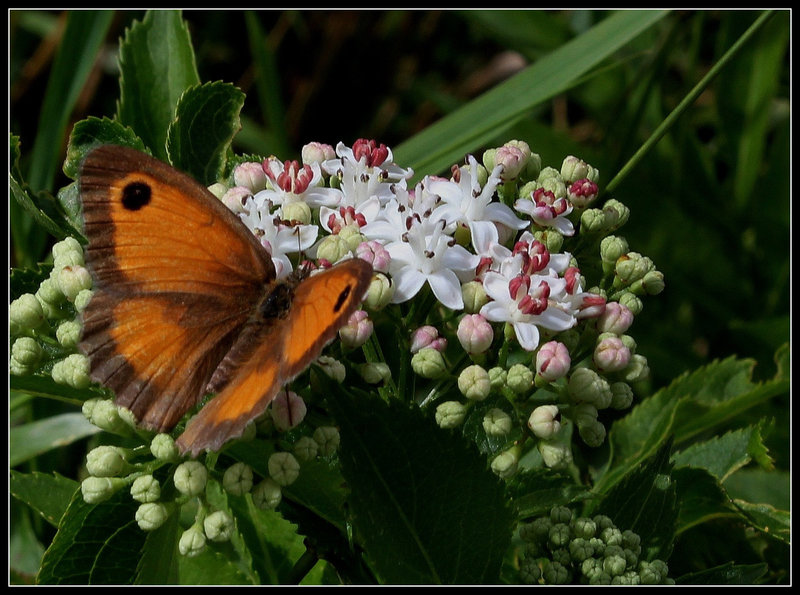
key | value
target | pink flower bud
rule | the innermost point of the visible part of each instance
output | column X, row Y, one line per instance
column 287, row 410
column 427, row 336
column 250, row 175
column 235, row 198
column 611, row 355
column 552, row 361
column 357, row 330
column 315, row 152
column 512, row 159
column 582, row 192
column 374, row 253
column 475, row 333
column 615, row 319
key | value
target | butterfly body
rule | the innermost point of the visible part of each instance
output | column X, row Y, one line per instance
column 186, row 301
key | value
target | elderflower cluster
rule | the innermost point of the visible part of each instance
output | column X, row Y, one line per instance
column 482, row 256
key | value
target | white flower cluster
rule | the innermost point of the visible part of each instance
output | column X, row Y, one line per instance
column 442, row 232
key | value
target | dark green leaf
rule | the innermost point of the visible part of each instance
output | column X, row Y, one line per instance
column 726, row 574
column 34, row 438
column 92, row 132
column 645, row 502
column 424, row 505
column 207, row 118
column 535, row 492
column 157, row 65
column 96, row 544
column 47, row 494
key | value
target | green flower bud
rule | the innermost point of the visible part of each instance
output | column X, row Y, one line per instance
column 218, row 526
column 352, row 236
column 586, row 385
column 106, row 461
column 600, row 578
column 267, row 495
column 593, row 433
column 651, row 284
column 593, row 220
column 26, row 353
column 573, row 168
column 554, row 573
column 534, row 167
column 98, row 489
column 190, row 478
column 25, row 314
column 559, row 535
column 283, row 468
column 550, row 179
column 72, row 371
column 520, row 379
column 297, row 211
column 580, row 549
column 380, row 292
column 428, row 363
column 192, row 542
column 473, row 382
column 612, row 248
column 327, row 438
column 145, row 488
column 450, row 414
column 631, row 541
column 163, row 447
column 551, row 239
column 584, row 528
column 333, row 248
column 497, row 422
column 73, row 279
column 631, row 302
column 590, row 567
column 560, row 514
column 611, row 536
column 497, row 378
column 49, row 293
column 616, row 214
column 621, row 395
column 82, row 299
column 529, row 571
column 68, row 333
column 555, row 455
column 602, row 522
column 305, row 448
column 488, row 158
column 333, row 368
column 474, row 296
column 377, row 373
column 545, row 421
column 68, row 250
column 151, row 515
column 505, row 464
column 652, row 573
column 237, row 480
column 637, row 370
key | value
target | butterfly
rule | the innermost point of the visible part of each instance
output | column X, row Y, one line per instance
column 186, row 301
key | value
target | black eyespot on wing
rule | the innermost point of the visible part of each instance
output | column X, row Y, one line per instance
column 135, row 196
column 342, row 298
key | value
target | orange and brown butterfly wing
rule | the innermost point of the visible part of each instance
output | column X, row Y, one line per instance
column 176, row 278
column 280, row 349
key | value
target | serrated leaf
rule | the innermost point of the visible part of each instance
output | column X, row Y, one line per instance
column 722, row 455
column 157, row 65
column 43, row 210
column 27, row 280
column 701, row 496
column 768, row 519
column 47, row 494
column 96, row 544
column 206, row 120
column 92, row 132
column 425, row 507
column 32, row 439
column 645, row 502
column 536, row 491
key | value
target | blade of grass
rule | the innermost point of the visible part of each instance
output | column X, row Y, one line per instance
column 446, row 141
column 687, row 101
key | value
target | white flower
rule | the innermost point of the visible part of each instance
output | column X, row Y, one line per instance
column 279, row 239
column 527, row 302
column 427, row 254
column 291, row 182
column 547, row 211
column 464, row 202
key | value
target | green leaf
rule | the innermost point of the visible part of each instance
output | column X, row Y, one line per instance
column 84, row 34
column 27, row 280
column 96, row 544
column 160, row 558
column 32, row 439
column 43, row 210
column 157, row 65
column 726, row 574
column 722, row 455
column 424, row 506
column 486, row 117
column 768, row 519
column 709, row 397
column 536, row 491
column 206, row 120
column 645, row 502
column 702, row 498
column 91, row 132
column 47, row 494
